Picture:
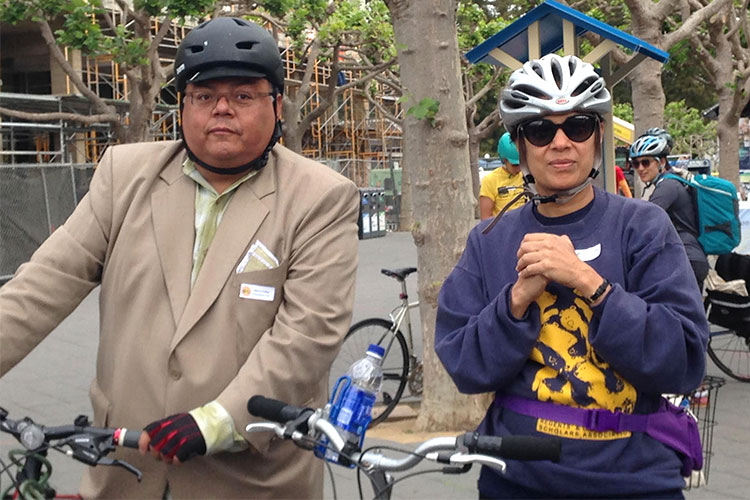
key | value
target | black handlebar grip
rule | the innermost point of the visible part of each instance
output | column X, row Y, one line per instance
column 525, row 448
column 129, row 438
column 273, row 409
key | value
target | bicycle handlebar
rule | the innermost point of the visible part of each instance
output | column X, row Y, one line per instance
column 88, row 444
column 525, row 448
column 480, row 449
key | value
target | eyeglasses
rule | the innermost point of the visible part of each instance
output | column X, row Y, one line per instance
column 578, row 128
column 205, row 99
column 643, row 162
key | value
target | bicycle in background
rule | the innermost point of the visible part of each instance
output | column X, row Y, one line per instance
column 306, row 427
column 80, row 441
column 401, row 367
column 729, row 316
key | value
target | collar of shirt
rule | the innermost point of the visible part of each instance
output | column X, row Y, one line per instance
column 209, row 210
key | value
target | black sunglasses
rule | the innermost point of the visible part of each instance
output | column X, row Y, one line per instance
column 643, row 162
column 578, row 128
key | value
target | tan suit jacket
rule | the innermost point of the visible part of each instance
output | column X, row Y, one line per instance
column 165, row 348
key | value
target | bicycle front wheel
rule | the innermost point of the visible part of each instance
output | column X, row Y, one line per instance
column 395, row 362
column 731, row 353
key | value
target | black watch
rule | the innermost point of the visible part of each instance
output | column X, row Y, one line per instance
column 599, row 292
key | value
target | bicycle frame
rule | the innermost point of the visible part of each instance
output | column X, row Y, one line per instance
column 401, row 312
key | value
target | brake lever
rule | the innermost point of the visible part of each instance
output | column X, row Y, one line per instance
column 463, row 459
column 119, row 463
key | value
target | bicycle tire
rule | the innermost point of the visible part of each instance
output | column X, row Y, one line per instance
column 395, row 362
column 729, row 350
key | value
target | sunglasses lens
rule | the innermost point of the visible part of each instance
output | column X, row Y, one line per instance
column 579, row 128
column 539, row 132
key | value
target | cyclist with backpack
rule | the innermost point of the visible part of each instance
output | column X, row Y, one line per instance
column 648, row 155
column 597, row 317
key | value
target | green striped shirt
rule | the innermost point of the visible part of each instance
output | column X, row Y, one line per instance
column 209, row 209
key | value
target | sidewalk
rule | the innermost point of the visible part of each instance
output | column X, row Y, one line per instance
column 51, row 386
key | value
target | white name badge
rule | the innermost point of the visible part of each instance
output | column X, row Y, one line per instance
column 257, row 292
column 591, row 253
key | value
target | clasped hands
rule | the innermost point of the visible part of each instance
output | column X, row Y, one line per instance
column 543, row 258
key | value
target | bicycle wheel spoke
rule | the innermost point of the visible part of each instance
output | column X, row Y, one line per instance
column 731, row 353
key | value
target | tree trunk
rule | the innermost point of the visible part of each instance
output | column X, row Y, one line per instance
column 476, row 183
column 406, row 214
column 293, row 132
column 648, row 96
column 728, row 131
column 474, row 164
column 436, row 154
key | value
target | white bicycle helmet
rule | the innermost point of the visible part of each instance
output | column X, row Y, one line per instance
column 660, row 132
column 551, row 85
column 649, row 145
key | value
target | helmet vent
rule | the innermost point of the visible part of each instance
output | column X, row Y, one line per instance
column 557, row 73
column 529, row 91
column 572, row 64
column 246, row 45
column 588, row 82
column 537, row 68
column 194, row 49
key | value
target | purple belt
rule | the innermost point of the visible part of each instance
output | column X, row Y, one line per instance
column 670, row 425
column 597, row 419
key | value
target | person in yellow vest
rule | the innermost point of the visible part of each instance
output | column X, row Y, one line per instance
column 509, row 175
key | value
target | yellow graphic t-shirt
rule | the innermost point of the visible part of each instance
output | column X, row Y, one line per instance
column 573, row 375
column 501, row 178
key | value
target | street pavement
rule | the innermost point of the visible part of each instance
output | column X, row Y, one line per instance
column 51, row 386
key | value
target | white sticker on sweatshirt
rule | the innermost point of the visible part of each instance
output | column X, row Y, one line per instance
column 591, row 253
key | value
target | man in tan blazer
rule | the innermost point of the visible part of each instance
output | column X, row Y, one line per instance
column 226, row 264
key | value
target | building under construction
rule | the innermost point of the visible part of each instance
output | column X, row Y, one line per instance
column 45, row 166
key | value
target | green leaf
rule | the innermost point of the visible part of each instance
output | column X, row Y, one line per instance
column 426, row 109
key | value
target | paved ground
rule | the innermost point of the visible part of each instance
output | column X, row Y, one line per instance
column 51, row 386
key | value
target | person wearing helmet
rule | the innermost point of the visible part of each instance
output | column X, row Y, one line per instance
column 648, row 155
column 595, row 318
column 500, row 187
column 226, row 266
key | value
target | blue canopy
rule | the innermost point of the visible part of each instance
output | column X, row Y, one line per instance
column 514, row 39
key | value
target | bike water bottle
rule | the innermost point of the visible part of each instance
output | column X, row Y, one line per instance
column 352, row 413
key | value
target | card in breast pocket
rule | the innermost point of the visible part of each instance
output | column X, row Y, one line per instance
column 257, row 258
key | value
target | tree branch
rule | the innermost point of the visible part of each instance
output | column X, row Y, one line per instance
column 388, row 115
column 486, row 88
column 57, row 54
column 39, row 117
column 490, row 122
column 690, row 25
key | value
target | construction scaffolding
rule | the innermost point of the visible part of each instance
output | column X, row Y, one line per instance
column 354, row 134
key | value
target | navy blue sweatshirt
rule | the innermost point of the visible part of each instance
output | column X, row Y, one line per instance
column 646, row 338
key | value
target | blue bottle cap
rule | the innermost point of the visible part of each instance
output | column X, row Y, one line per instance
column 376, row 349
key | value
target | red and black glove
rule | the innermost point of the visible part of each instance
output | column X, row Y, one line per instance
column 176, row 436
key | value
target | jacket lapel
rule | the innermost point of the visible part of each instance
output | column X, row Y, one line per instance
column 244, row 215
column 173, row 214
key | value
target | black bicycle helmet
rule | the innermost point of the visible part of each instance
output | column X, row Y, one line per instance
column 228, row 47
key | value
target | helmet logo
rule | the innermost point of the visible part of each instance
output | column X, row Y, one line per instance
column 561, row 100
column 180, row 69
